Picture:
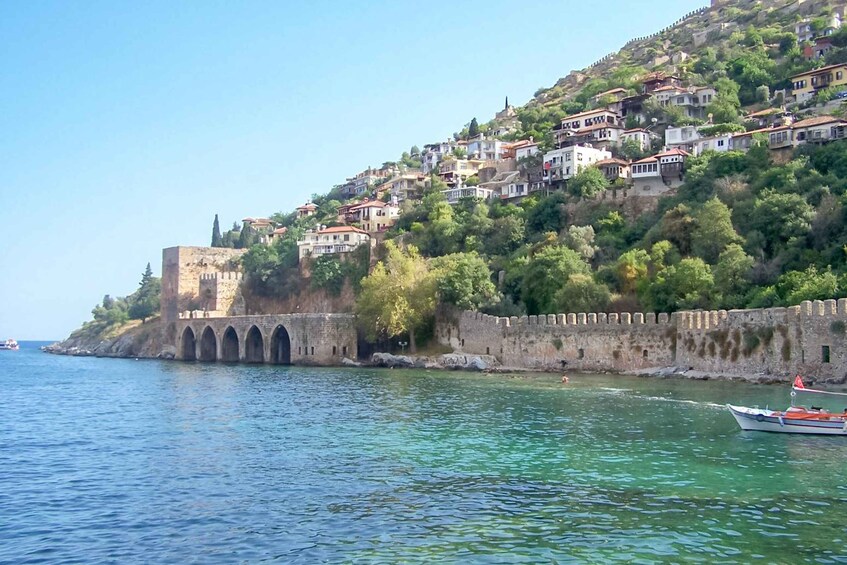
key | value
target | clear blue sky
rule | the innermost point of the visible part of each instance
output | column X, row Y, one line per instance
column 125, row 126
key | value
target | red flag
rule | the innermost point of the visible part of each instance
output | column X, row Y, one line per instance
column 798, row 382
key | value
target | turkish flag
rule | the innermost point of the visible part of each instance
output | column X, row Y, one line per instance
column 798, row 382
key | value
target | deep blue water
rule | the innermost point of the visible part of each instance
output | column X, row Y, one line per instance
column 166, row 462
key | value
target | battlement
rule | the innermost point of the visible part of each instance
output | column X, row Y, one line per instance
column 814, row 310
column 222, row 276
column 578, row 320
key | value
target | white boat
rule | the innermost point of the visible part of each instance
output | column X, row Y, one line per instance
column 9, row 344
column 794, row 420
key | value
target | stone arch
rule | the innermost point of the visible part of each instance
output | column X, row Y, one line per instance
column 189, row 345
column 280, row 346
column 254, row 346
column 208, row 345
column 229, row 346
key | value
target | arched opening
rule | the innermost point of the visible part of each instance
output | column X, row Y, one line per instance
column 280, row 347
column 208, row 345
column 229, row 346
column 254, row 346
column 189, row 345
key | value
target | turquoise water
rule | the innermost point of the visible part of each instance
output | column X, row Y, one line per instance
column 145, row 461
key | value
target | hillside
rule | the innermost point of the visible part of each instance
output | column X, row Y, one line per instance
column 686, row 171
column 677, row 48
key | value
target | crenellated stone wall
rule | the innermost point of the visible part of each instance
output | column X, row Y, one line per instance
column 219, row 291
column 808, row 339
column 586, row 342
column 182, row 268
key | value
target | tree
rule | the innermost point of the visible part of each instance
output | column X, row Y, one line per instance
column 473, row 129
column 398, row 297
column 217, row 240
column 780, row 217
column 581, row 240
column 145, row 301
column 414, row 151
column 246, row 238
column 463, row 279
column 686, row 285
column 460, row 153
column 588, row 183
column 712, row 231
column 550, row 214
column 545, row 273
column 631, row 268
column 581, row 293
column 631, row 149
column 328, row 274
column 732, row 276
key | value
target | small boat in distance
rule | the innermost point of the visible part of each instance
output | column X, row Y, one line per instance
column 9, row 344
column 795, row 419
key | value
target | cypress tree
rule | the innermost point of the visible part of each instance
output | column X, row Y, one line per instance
column 217, row 240
column 473, row 129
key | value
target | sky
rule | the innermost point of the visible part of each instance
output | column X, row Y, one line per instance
column 126, row 126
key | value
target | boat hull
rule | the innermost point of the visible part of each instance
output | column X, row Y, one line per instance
column 756, row 419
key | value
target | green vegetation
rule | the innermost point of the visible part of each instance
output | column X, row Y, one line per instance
column 112, row 313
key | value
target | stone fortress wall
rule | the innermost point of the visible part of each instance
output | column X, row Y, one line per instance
column 219, row 293
column 204, row 319
column 807, row 339
column 182, row 268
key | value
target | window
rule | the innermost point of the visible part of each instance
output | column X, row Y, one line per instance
column 644, row 354
column 347, row 237
column 838, row 74
column 313, row 350
column 581, row 354
column 720, row 142
column 680, row 100
column 344, row 350
column 568, row 157
column 333, row 350
column 824, row 354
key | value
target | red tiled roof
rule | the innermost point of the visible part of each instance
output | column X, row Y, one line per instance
column 280, row 231
column 765, row 112
column 751, row 132
column 633, row 130
column 342, row 229
column 816, row 121
column 611, row 162
column 673, row 152
column 646, row 160
column 588, row 113
column 369, row 204
column 820, row 70
column 668, row 87
column 307, row 206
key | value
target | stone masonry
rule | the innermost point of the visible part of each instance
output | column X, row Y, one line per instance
column 808, row 339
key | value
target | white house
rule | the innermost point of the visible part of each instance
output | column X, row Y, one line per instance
column 433, row 153
column 341, row 239
column 486, row 149
column 404, row 187
column 453, row 195
column 640, row 136
column 374, row 216
column 524, row 149
column 683, row 137
column 562, row 164
column 719, row 143
column 576, row 123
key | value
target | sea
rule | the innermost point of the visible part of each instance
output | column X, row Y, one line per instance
column 139, row 461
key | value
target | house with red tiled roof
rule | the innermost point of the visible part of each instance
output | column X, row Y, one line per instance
column 327, row 241
column 658, row 174
column 374, row 216
column 306, row 210
column 819, row 129
column 613, row 169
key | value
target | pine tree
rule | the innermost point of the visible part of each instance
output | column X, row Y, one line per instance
column 217, row 240
column 247, row 238
column 473, row 129
column 145, row 300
